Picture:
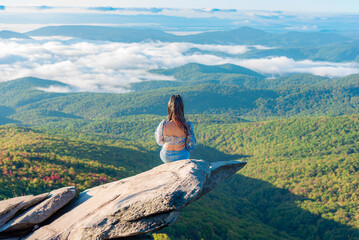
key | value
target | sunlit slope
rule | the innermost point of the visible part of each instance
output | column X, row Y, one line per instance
column 301, row 180
column 300, row 183
column 33, row 161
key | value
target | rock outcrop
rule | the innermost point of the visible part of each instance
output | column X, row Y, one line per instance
column 8, row 208
column 42, row 211
column 136, row 205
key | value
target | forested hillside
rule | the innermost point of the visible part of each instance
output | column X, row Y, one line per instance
column 224, row 89
column 33, row 161
column 299, row 134
column 199, row 99
column 301, row 174
column 301, row 180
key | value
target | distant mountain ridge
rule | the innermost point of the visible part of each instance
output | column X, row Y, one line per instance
column 5, row 34
column 316, row 46
column 23, row 91
column 191, row 68
column 332, row 53
column 243, row 35
column 30, row 82
column 104, row 33
column 230, row 74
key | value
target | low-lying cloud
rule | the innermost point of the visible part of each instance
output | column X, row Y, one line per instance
column 101, row 66
column 283, row 65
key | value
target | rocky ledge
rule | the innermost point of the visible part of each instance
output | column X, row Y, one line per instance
column 126, row 208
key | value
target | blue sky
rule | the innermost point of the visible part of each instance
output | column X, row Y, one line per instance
column 350, row 6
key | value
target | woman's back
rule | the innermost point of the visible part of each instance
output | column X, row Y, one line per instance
column 171, row 129
column 174, row 136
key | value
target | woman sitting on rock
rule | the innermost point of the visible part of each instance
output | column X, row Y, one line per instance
column 175, row 135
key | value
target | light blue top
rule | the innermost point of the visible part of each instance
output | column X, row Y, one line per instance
column 190, row 139
column 172, row 140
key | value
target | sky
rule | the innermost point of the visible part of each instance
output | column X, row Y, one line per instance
column 350, row 6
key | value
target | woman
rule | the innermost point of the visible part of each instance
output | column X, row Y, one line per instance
column 175, row 135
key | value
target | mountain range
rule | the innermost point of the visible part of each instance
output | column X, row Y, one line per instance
column 244, row 35
column 315, row 46
column 222, row 89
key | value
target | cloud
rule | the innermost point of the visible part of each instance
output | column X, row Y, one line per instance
column 100, row 66
column 284, row 65
column 236, row 49
column 57, row 89
column 303, row 28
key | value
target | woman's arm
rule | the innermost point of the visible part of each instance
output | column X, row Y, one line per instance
column 191, row 140
column 159, row 133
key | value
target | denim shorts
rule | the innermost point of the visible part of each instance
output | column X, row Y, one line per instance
column 171, row 156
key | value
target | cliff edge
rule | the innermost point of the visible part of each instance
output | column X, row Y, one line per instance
column 128, row 207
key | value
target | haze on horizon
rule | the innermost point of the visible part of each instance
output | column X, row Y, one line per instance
column 333, row 6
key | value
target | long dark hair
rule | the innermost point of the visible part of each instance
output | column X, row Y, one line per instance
column 175, row 110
